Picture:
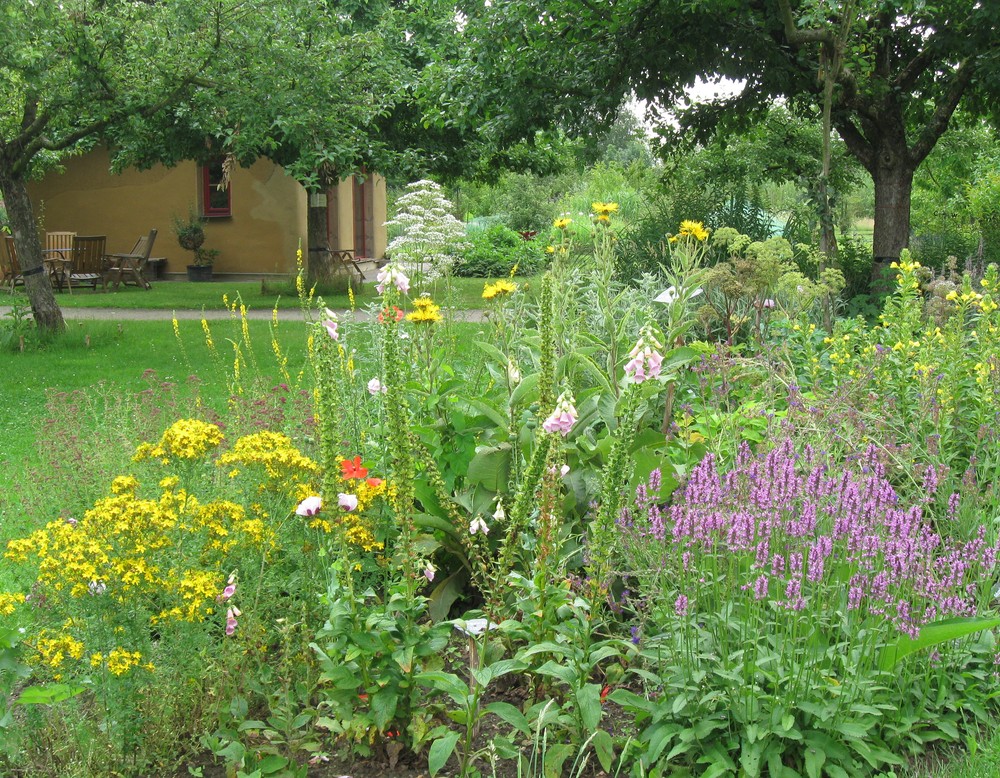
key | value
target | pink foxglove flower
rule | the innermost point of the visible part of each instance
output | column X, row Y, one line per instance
column 392, row 275
column 228, row 592
column 310, row 506
column 231, row 622
column 563, row 417
column 478, row 525
column 347, row 502
column 375, row 386
column 429, row 571
column 646, row 359
column 499, row 514
column 331, row 328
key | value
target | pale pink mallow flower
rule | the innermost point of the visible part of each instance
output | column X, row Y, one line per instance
column 646, row 359
column 231, row 622
column 375, row 386
column 310, row 506
column 563, row 417
column 392, row 275
column 347, row 502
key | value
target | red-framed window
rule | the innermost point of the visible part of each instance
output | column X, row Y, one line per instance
column 216, row 200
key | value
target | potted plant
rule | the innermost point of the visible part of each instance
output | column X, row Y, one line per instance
column 190, row 234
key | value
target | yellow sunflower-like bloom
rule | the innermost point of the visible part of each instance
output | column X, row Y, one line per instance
column 604, row 209
column 425, row 314
column 499, row 288
column 563, row 223
column 693, row 229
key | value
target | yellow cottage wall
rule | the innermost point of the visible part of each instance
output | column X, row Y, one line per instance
column 261, row 237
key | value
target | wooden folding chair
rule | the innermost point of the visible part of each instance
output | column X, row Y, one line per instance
column 88, row 261
column 9, row 266
column 128, row 268
column 57, row 254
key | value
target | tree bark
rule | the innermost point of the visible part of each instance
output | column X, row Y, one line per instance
column 318, row 238
column 893, row 186
column 21, row 215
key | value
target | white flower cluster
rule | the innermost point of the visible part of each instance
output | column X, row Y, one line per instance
column 429, row 236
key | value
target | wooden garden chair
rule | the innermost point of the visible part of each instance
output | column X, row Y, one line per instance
column 128, row 268
column 88, row 265
column 57, row 254
column 9, row 266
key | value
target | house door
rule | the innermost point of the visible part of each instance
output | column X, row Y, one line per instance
column 364, row 231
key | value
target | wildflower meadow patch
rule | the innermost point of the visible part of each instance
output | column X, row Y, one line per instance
column 694, row 525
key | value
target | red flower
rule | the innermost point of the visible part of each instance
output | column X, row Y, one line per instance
column 604, row 693
column 386, row 312
column 374, row 483
column 352, row 468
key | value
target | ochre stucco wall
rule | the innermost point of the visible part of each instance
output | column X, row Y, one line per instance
column 267, row 223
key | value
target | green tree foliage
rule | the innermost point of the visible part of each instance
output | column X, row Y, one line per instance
column 906, row 66
column 71, row 71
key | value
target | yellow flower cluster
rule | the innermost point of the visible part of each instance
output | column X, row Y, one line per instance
column 184, row 439
column 500, row 288
column 55, row 650
column 563, row 222
column 426, row 311
column 121, row 661
column 289, row 472
column 9, row 601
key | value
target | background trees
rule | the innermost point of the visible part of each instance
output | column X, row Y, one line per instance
column 72, row 72
column 904, row 69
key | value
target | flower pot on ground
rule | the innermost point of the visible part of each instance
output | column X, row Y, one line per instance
column 199, row 272
column 190, row 234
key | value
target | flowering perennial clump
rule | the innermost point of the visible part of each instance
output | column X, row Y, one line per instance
column 799, row 534
column 289, row 472
column 184, row 439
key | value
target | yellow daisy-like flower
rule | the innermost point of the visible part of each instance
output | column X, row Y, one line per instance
column 499, row 288
column 693, row 229
column 604, row 209
column 423, row 302
column 563, row 223
column 428, row 314
column 550, row 249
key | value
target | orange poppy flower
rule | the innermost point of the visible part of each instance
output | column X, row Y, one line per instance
column 352, row 468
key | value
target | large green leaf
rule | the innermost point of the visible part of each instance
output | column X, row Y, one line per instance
column 49, row 694
column 933, row 634
column 440, row 751
column 490, row 467
column 445, row 594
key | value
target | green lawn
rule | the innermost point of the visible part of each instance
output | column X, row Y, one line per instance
column 464, row 293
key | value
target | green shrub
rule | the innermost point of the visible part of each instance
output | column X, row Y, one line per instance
column 496, row 250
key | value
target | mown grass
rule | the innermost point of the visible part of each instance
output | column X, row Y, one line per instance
column 461, row 293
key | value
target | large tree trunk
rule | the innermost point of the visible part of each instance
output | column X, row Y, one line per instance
column 21, row 215
column 893, row 186
column 318, row 236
